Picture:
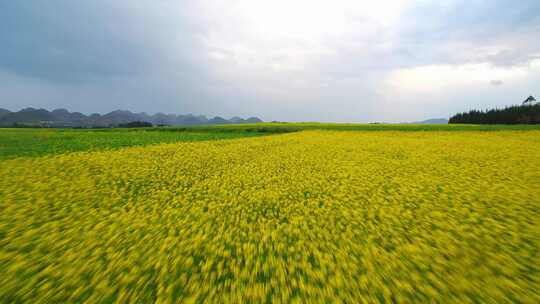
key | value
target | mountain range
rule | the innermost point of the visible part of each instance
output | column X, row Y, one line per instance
column 64, row 118
column 433, row 121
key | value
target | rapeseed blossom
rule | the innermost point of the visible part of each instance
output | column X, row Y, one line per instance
column 315, row 216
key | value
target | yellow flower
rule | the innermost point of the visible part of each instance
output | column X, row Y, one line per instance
column 314, row 216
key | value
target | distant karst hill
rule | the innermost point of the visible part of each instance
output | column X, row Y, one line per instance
column 4, row 112
column 433, row 121
column 64, row 118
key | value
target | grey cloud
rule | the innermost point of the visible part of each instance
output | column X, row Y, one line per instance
column 500, row 32
column 515, row 57
column 496, row 82
column 103, row 55
column 61, row 40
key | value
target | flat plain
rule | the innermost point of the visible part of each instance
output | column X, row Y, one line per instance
column 38, row 142
column 310, row 214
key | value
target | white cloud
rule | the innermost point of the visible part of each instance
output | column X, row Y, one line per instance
column 439, row 78
column 340, row 60
column 299, row 33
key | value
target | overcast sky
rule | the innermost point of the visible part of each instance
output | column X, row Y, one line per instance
column 303, row 60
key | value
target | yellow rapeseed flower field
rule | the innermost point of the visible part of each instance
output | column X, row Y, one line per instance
column 314, row 216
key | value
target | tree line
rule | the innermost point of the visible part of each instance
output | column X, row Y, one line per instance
column 518, row 114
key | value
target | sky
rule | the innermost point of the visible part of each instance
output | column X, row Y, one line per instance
column 303, row 60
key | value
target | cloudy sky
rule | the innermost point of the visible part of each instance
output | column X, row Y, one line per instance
column 303, row 60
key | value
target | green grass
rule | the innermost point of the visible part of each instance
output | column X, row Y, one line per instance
column 38, row 142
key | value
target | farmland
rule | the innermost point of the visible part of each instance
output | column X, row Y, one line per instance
column 39, row 142
column 307, row 213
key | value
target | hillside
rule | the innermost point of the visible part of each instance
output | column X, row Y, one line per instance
column 4, row 112
column 64, row 118
column 433, row 121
